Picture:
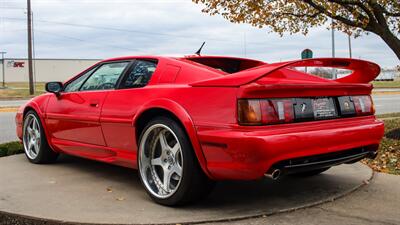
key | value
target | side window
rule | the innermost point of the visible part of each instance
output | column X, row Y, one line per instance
column 77, row 83
column 105, row 77
column 140, row 74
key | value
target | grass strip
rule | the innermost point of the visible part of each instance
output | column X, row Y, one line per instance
column 11, row 148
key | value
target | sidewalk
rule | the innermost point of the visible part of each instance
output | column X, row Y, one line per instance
column 375, row 204
column 94, row 193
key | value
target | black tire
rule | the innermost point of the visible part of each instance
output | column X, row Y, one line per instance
column 194, row 184
column 310, row 173
column 45, row 153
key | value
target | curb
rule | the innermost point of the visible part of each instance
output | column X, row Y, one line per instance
column 8, row 109
column 18, row 219
column 385, row 93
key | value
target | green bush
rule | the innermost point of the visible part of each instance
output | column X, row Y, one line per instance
column 11, row 148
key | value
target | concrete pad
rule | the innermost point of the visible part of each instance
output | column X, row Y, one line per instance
column 374, row 204
column 81, row 191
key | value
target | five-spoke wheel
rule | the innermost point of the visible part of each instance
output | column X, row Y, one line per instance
column 161, row 160
column 36, row 147
column 168, row 167
column 31, row 136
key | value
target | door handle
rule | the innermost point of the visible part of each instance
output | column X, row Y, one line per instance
column 94, row 104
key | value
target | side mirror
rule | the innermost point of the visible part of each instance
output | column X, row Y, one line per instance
column 54, row 87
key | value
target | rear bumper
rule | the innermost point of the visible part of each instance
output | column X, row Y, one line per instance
column 246, row 153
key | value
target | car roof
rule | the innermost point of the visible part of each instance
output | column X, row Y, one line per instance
column 179, row 57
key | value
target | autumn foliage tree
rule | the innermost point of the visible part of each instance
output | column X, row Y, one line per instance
column 381, row 17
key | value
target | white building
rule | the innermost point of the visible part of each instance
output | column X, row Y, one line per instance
column 16, row 70
column 388, row 75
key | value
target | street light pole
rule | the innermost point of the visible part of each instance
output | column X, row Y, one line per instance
column 350, row 53
column 3, row 68
column 334, row 75
column 30, row 66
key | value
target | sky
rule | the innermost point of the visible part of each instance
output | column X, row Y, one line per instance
column 98, row 29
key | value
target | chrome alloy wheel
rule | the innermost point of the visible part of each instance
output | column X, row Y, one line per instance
column 160, row 161
column 31, row 138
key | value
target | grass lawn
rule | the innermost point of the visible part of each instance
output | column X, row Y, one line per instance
column 20, row 90
column 388, row 159
column 386, row 84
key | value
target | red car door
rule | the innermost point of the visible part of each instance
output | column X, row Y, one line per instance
column 119, row 109
column 73, row 118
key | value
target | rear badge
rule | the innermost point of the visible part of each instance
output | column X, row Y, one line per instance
column 303, row 107
column 324, row 108
column 346, row 105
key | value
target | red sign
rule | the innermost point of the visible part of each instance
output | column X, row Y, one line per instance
column 19, row 64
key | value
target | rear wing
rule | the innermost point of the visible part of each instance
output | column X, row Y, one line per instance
column 362, row 72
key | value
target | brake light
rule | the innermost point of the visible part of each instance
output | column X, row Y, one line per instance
column 363, row 105
column 288, row 110
column 249, row 112
column 265, row 111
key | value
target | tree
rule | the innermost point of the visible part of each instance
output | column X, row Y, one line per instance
column 381, row 17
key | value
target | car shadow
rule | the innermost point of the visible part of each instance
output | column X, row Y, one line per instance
column 393, row 134
column 287, row 191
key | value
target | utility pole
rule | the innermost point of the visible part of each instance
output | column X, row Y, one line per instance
column 245, row 44
column 334, row 75
column 350, row 53
column 34, row 53
column 333, row 39
column 3, row 68
column 30, row 66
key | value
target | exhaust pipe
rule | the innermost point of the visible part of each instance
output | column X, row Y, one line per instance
column 274, row 175
column 372, row 155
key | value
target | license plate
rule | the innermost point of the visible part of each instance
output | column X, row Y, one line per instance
column 324, row 108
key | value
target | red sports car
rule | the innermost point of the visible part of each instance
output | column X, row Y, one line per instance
column 186, row 122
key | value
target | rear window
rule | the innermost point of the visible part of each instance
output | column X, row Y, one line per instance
column 227, row 65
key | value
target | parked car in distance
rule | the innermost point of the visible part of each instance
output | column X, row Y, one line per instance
column 187, row 122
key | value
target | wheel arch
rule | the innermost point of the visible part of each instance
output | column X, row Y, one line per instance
column 32, row 106
column 171, row 109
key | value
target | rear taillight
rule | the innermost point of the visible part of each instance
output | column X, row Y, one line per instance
column 249, row 112
column 363, row 105
column 287, row 110
column 265, row 111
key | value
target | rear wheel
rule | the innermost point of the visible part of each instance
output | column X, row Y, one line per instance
column 36, row 147
column 168, row 168
column 310, row 173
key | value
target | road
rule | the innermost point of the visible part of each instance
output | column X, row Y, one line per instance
column 7, row 127
column 387, row 103
column 12, row 103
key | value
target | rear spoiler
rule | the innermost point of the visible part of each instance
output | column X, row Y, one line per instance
column 363, row 72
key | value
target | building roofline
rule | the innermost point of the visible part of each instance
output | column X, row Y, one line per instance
column 52, row 59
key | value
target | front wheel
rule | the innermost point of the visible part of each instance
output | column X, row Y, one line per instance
column 36, row 147
column 168, row 168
